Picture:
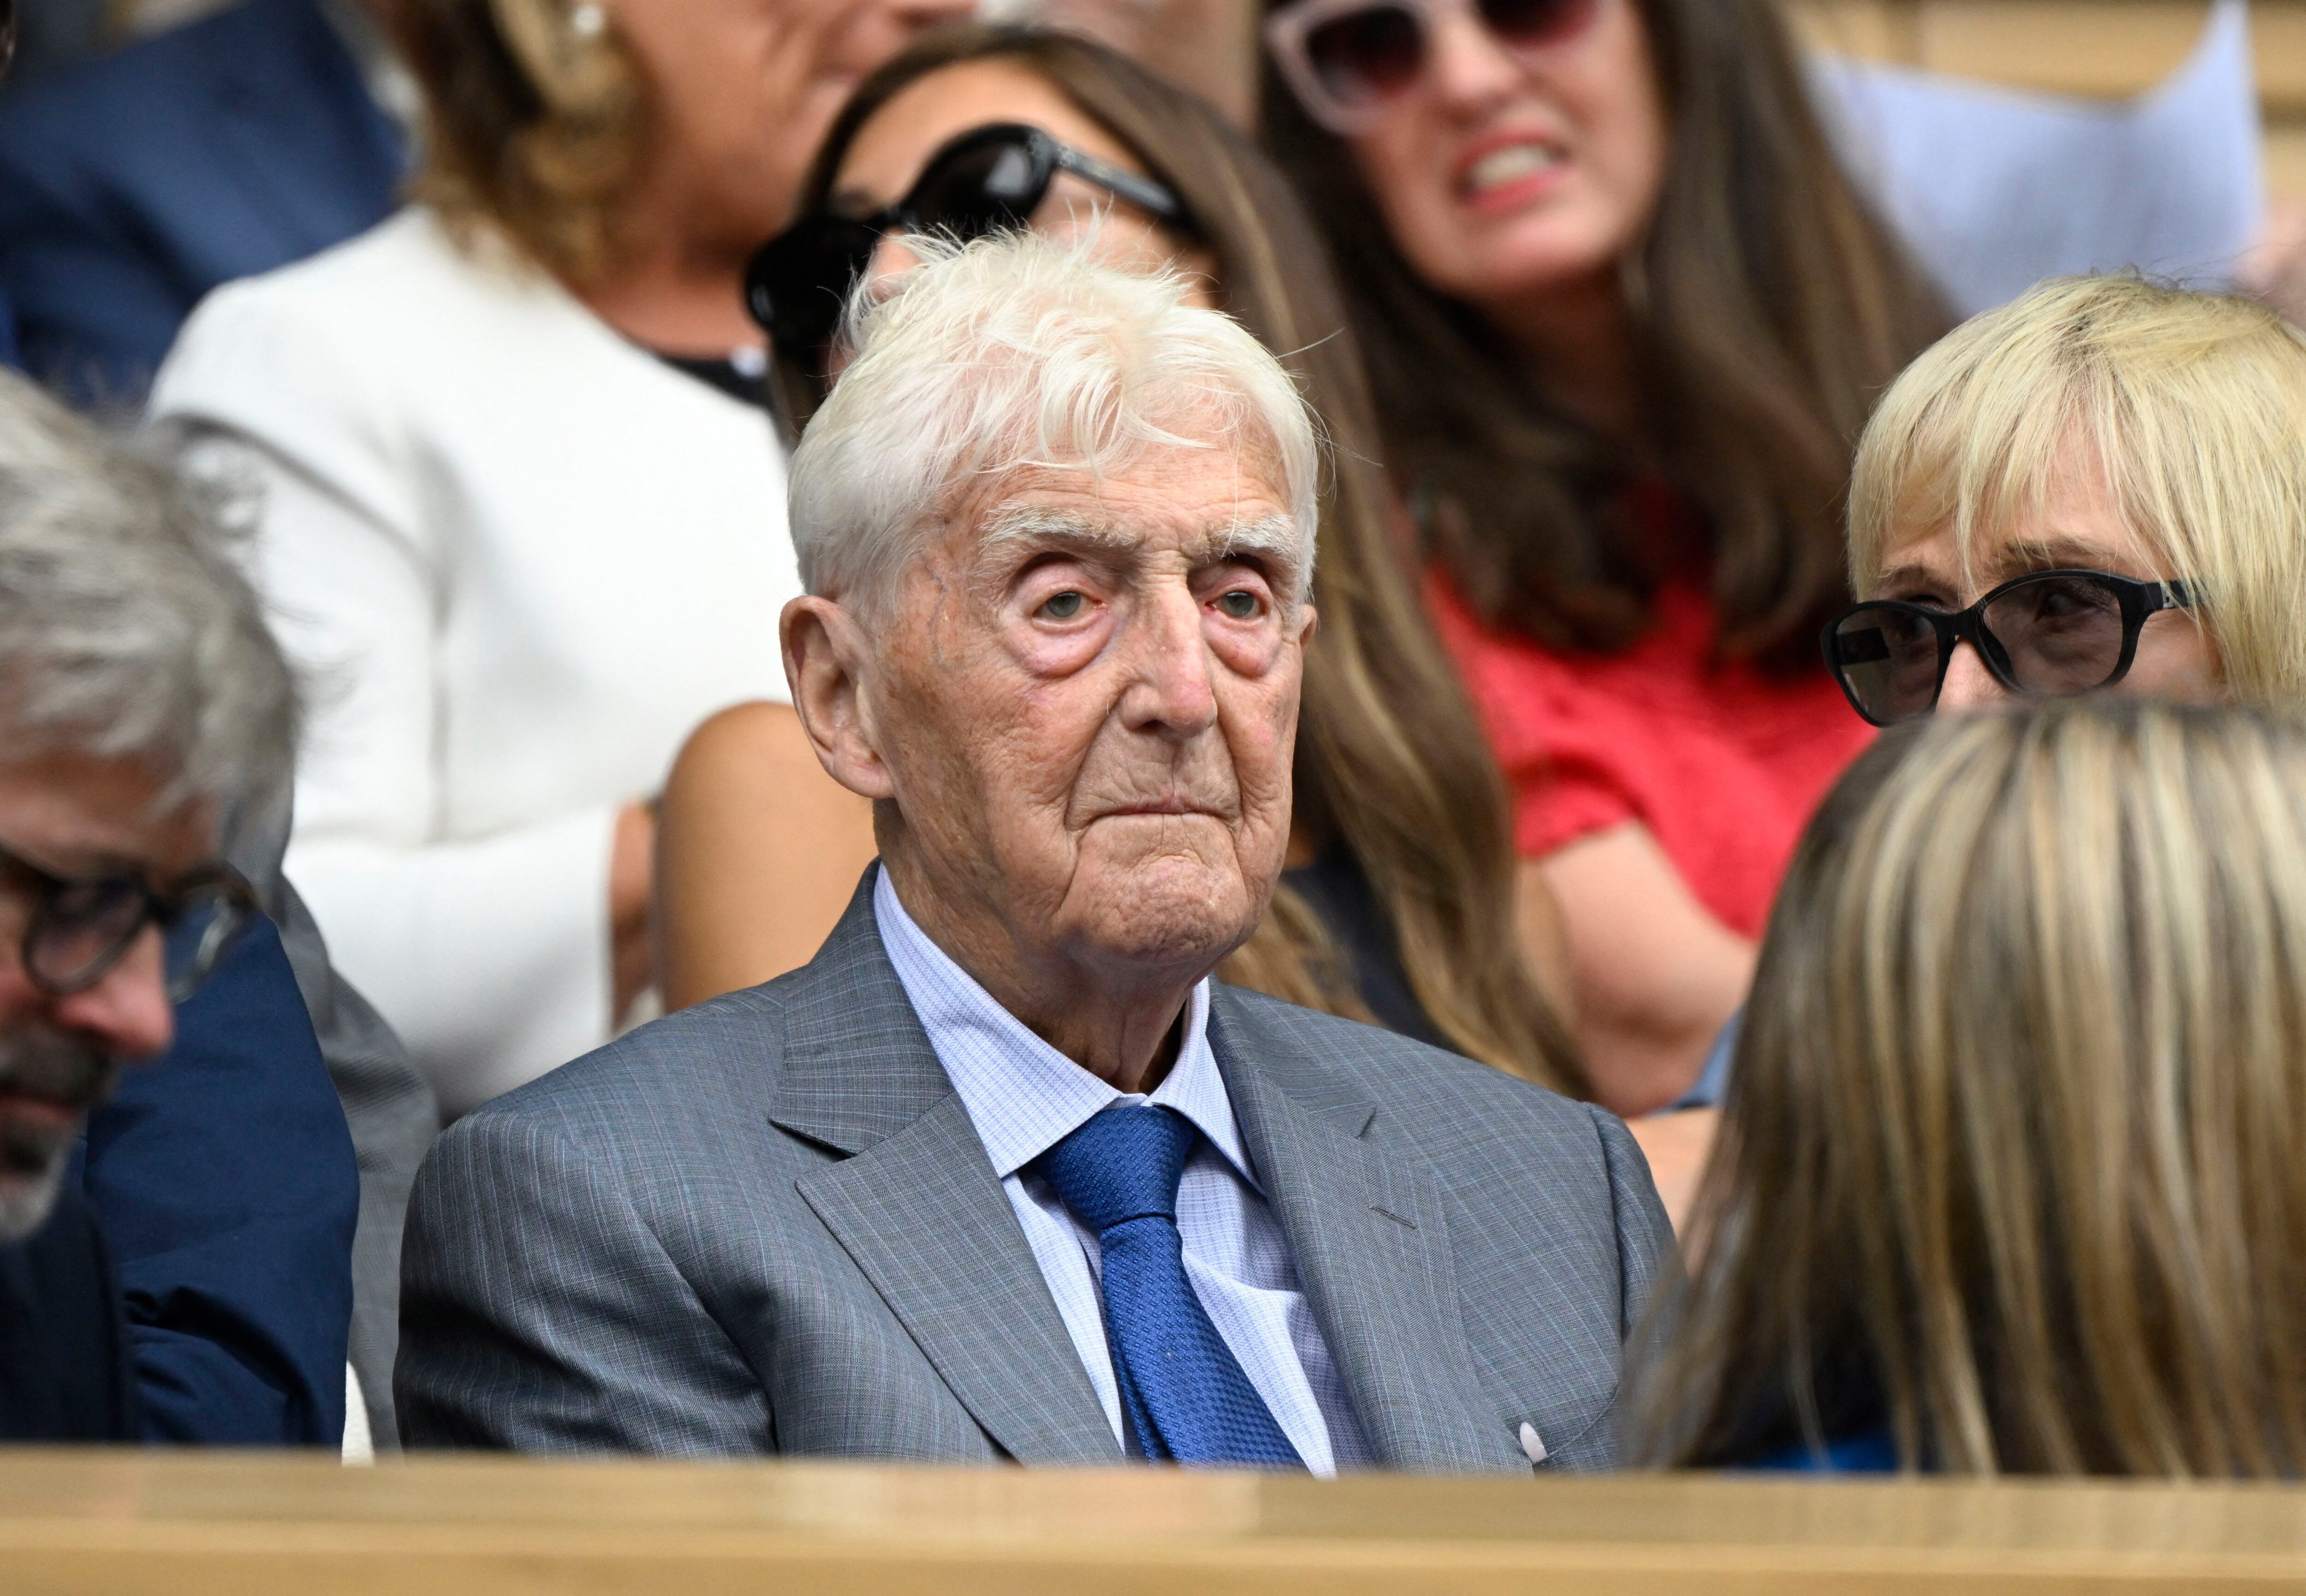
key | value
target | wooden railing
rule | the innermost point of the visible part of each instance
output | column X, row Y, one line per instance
column 151, row 1523
column 2108, row 47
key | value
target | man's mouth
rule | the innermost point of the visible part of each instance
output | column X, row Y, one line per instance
column 37, row 1112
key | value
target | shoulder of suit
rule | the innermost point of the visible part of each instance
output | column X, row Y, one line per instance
column 726, row 1050
column 1384, row 1064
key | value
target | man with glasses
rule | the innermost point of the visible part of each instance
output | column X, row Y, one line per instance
column 140, row 697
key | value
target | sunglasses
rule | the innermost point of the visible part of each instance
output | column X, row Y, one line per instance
column 989, row 180
column 81, row 926
column 1347, row 60
column 2054, row 632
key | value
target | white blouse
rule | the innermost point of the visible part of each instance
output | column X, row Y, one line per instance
column 518, row 558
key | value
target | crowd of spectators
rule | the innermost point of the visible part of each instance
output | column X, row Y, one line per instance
column 1436, row 666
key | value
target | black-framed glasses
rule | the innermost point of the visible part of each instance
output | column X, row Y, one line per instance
column 988, row 180
column 2053, row 632
column 81, row 926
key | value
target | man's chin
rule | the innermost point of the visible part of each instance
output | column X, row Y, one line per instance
column 26, row 1199
column 1172, row 912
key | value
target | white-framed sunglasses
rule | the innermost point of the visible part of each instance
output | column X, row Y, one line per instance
column 1347, row 61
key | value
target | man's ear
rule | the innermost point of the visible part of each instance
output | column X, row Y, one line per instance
column 826, row 657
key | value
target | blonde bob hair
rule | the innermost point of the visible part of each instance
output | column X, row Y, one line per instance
column 534, row 118
column 2191, row 409
column 2011, row 1166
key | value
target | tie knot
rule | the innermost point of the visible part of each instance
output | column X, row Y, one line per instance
column 1123, row 1165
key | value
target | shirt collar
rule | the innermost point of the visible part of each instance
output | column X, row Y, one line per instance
column 1022, row 1094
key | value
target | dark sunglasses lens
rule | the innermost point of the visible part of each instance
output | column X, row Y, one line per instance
column 2058, row 634
column 1536, row 21
column 981, row 187
column 797, row 284
column 1367, row 55
column 207, row 923
column 1888, row 658
column 82, row 930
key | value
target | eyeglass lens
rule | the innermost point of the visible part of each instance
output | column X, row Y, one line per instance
column 1375, row 52
column 83, row 929
column 2060, row 635
column 979, row 189
column 1889, row 657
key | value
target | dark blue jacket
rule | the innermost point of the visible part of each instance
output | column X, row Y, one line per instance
column 64, row 1354
column 225, row 1181
column 131, row 184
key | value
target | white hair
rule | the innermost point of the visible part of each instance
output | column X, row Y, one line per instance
column 1015, row 352
column 125, row 629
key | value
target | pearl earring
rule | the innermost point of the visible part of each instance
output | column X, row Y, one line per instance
column 588, row 21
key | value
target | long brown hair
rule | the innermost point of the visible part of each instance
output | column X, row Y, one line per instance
column 2010, row 1165
column 1769, row 307
column 1391, row 761
column 531, row 128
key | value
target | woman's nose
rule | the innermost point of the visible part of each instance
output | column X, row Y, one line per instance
column 1466, row 65
column 1968, row 684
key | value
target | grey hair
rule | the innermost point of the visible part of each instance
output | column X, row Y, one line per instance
column 1021, row 351
column 125, row 629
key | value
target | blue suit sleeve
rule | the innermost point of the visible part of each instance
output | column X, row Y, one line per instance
column 225, row 1181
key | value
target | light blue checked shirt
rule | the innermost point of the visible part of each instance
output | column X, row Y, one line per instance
column 1024, row 1097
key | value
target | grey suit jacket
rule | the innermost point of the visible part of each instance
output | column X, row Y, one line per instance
column 765, row 1224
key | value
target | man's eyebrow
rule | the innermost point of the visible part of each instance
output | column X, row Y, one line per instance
column 1056, row 529
column 1274, row 536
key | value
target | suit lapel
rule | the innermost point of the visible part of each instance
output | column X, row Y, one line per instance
column 1369, row 1239
column 916, row 1203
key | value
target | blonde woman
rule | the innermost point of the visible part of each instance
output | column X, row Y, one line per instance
column 2100, row 485
column 522, row 505
column 2010, row 1179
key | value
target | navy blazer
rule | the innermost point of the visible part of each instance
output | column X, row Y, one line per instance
column 64, row 1349
column 225, row 1181
column 131, row 184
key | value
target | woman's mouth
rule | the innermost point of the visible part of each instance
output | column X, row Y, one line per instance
column 1510, row 175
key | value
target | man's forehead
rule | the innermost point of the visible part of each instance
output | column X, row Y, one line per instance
column 1204, row 509
column 77, row 813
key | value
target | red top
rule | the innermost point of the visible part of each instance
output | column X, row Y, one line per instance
column 1721, row 763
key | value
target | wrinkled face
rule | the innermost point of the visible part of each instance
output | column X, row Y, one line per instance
column 74, row 815
column 888, row 153
column 1505, row 174
column 1087, row 700
column 2078, row 528
column 744, row 90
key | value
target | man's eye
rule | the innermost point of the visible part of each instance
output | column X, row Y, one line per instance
column 1240, row 604
column 1063, row 606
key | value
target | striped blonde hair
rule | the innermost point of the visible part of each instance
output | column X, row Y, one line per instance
column 2014, row 1162
column 2192, row 408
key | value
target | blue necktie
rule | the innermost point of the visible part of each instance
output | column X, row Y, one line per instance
column 1183, row 1391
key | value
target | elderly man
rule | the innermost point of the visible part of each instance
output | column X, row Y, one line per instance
column 1001, row 1173
column 139, row 691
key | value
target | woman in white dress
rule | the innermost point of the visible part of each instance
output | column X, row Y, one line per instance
column 522, row 508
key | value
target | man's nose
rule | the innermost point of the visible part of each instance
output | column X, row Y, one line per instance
column 1968, row 684
column 1173, row 693
column 128, row 1012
